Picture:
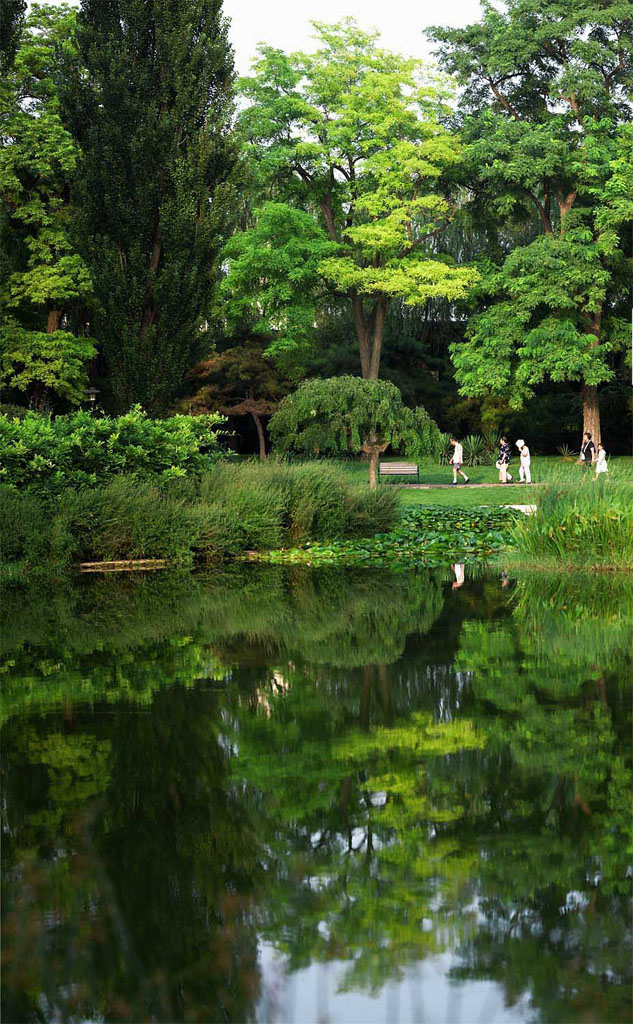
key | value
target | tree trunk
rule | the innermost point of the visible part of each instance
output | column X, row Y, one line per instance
column 591, row 412
column 376, row 347
column 373, row 469
column 590, row 405
column 53, row 320
column 362, row 335
column 261, row 435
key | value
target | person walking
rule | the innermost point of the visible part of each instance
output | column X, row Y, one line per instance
column 503, row 462
column 525, row 474
column 601, row 462
column 587, row 451
column 458, row 461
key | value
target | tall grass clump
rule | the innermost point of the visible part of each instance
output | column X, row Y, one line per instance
column 219, row 514
column 582, row 523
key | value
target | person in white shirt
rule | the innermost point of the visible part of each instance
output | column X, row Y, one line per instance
column 525, row 474
column 458, row 461
column 601, row 461
column 458, row 569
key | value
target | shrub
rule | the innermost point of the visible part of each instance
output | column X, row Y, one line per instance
column 476, row 451
column 582, row 523
column 82, row 450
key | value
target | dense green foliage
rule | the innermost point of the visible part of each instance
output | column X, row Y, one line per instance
column 46, row 283
column 81, row 449
column 589, row 524
column 365, row 218
column 223, row 512
column 349, row 414
column 545, row 118
column 355, row 172
column 150, row 105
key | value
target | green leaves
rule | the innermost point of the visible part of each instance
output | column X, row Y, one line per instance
column 32, row 362
column 348, row 414
column 547, row 147
column 81, row 449
column 350, row 137
column 424, row 536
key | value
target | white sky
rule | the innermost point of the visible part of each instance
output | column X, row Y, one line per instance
column 286, row 23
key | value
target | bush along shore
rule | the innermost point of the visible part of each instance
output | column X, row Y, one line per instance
column 221, row 513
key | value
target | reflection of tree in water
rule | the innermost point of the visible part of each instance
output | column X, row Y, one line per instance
column 556, row 894
column 312, row 788
column 129, row 900
column 100, row 640
column 134, row 895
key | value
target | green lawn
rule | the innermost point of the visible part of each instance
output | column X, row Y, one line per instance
column 543, row 468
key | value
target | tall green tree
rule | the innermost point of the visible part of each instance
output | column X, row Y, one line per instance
column 545, row 115
column 357, row 177
column 46, row 283
column 151, row 108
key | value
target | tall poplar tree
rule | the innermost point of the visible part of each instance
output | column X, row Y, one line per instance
column 546, row 111
column 152, row 110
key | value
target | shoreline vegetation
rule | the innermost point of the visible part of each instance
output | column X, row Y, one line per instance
column 312, row 513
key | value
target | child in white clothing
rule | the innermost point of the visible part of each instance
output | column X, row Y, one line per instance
column 601, row 461
column 525, row 474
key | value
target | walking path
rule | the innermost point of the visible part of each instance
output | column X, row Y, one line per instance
column 448, row 487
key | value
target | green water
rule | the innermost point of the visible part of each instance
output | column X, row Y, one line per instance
column 283, row 794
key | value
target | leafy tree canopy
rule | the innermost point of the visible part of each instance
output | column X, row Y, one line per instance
column 358, row 177
column 237, row 382
column 47, row 284
column 545, row 116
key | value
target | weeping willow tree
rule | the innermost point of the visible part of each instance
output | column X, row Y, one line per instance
column 348, row 414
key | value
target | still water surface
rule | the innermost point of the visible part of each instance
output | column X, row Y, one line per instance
column 274, row 794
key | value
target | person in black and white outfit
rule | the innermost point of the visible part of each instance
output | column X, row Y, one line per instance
column 503, row 461
column 587, row 451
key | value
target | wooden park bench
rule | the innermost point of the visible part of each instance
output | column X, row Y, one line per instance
column 398, row 469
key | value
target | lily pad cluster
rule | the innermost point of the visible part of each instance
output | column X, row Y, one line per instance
column 427, row 535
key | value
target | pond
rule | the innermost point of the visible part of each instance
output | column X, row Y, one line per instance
column 278, row 793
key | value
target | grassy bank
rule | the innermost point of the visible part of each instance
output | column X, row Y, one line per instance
column 222, row 513
column 581, row 526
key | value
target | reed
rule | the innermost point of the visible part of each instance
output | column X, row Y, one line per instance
column 582, row 524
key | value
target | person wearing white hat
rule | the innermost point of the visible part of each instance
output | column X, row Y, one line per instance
column 525, row 475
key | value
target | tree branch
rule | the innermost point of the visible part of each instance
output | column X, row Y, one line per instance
column 503, row 101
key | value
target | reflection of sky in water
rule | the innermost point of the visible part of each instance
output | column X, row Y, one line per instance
column 424, row 995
